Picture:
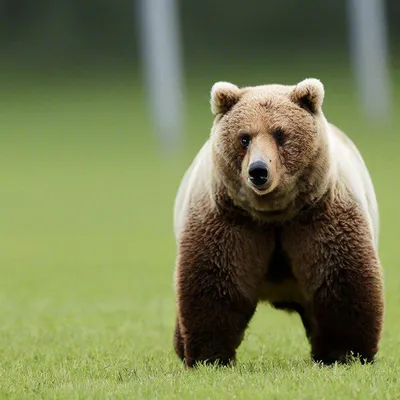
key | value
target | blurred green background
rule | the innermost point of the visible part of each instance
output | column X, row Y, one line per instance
column 75, row 32
column 86, row 241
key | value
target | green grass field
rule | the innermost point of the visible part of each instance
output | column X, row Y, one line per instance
column 87, row 252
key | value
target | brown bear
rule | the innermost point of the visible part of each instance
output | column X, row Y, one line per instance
column 277, row 206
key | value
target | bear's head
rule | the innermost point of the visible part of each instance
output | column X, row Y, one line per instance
column 270, row 146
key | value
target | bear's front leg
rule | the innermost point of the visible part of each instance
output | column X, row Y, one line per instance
column 348, row 311
column 217, row 283
column 213, row 316
column 343, row 277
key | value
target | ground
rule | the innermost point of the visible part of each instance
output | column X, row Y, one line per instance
column 87, row 252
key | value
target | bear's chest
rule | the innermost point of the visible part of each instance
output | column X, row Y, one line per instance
column 279, row 286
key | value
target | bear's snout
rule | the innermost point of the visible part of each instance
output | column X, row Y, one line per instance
column 258, row 173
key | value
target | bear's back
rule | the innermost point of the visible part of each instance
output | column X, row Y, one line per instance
column 353, row 172
column 194, row 184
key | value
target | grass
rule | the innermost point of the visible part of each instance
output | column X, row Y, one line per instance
column 87, row 253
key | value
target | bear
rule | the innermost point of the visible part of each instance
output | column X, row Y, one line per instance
column 278, row 206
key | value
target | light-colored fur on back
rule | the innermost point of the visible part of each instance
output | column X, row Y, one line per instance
column 195, row 183
column 353, row 172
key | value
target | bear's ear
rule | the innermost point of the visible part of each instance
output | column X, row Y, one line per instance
column 309, row 94
column 224, row 96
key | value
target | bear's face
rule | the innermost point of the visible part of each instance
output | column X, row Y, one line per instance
column 270, row 146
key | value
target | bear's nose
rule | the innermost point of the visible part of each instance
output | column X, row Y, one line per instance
column 258, row 173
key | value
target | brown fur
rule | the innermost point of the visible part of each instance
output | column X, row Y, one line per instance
column 303, row 245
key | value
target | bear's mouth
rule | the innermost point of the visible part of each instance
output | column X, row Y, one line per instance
column 273, row 212
column 272, row 204
column 260, row 190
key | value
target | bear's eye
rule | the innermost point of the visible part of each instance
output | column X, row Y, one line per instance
column 245, row 140
column 279, row 137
